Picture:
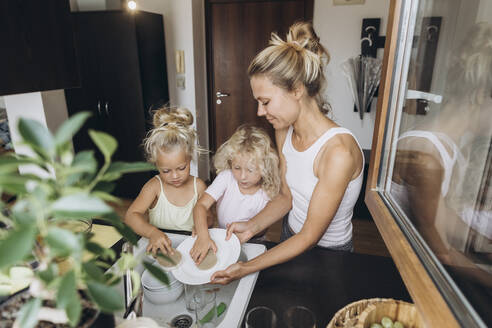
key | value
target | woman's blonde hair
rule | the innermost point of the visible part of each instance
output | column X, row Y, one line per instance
column 172, row 128
column 296, row 61
column 255, row 142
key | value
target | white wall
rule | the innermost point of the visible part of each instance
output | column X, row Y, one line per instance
column 178, row 33
column 339, row 28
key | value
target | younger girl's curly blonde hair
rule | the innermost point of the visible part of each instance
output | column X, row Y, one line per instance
column 255, row 142
column 172, row 128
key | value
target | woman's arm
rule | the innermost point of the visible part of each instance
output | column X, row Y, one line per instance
column 135, row 219
column 274, row 210
column 335, row 170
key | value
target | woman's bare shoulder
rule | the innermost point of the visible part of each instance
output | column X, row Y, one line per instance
column 280, row 135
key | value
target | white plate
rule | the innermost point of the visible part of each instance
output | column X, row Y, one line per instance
column 227, row 254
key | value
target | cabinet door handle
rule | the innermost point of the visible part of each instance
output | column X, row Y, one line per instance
column 106, row 108
column 99, row 107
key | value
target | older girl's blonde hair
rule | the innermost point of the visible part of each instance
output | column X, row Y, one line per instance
column 172, row 128
column 255, row 142
column 296, row 61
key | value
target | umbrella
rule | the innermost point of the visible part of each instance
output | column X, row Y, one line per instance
column 363, row 74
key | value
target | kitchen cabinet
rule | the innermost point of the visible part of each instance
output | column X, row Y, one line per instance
column 37, row 46
column 429, row 176
column 123, row 76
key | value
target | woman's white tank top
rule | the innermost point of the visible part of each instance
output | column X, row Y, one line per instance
column 166, row 215
column 302, row 181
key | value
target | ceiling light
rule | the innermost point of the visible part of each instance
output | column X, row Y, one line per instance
column 132, row 4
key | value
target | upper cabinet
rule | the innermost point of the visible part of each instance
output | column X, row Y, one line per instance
column 123, row 76
column 430, row 175
column 37, row 51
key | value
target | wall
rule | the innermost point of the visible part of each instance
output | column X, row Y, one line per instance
column 339, row 28
column 183, row 19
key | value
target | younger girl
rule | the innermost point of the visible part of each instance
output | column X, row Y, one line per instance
column 168, row 197
column 248, row 177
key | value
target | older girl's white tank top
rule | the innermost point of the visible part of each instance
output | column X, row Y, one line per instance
column 166, row 215
column 302, row 181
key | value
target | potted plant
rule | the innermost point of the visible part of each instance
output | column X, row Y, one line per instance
column 36, row 237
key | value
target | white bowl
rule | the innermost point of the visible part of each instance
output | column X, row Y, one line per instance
column 158, row 293
column 163, row 296
column 152, row 283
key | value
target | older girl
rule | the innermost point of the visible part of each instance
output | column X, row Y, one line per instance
column 168, row 197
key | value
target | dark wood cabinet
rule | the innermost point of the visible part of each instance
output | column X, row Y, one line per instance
column 123, row 75
column 37, row 51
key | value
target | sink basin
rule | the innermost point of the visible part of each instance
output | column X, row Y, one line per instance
column 236, row 295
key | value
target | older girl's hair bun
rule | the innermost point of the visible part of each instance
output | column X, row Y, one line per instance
column 176, row 115
column 172, row 128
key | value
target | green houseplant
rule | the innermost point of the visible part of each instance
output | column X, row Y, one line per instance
column 34, row 235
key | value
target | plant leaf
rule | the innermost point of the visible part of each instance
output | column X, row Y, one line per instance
column 111, row 176
column 93, row 271
column 104, row 186
column 28, row 316
column 125, row 167
column 128, row 234
column 106, row 298
column 156, row 272
column 11, row 162
column 66, row 291
column 74, row 310
column 63, row 242
column 106, row 143
column 17, row 245
column 15, row 183
column 38, row 137
column 68, row 129
column 49, row 274
column 106, row 197
column 80, row 205
column 104, row 253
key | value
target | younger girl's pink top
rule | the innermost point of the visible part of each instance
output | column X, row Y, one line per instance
column 232, row 205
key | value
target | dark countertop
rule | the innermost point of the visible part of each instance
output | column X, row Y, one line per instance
column 325, row 281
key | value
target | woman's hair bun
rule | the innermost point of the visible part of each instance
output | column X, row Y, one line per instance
column 176, row 115
column 303, row 34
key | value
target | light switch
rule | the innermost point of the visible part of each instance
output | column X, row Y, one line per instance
column 180, row 82
column 348, row 2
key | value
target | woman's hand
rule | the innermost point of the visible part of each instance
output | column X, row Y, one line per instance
column 233, row 272
column 200, row 248
column 243, row 230
column 158, row 240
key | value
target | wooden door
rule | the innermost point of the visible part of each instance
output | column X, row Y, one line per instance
column 236, row 32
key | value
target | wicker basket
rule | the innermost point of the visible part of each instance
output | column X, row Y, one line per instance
column 363, row 313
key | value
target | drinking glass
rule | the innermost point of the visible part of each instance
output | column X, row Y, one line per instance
column 299, row 317
column 205, row 308
column 261, row 317
column 189, row 293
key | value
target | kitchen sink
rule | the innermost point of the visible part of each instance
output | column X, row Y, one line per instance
column 235, row 295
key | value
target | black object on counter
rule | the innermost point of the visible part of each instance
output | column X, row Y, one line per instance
column 325, row 281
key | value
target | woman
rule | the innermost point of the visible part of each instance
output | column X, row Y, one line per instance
column 321, row 163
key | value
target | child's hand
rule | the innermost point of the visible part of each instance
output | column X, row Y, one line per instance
column 159, row 241
column 201, row 247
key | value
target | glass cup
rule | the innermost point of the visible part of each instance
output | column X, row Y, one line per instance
column 299, row 317
column 205, row 308
column 261, row 317
column 189, row 293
